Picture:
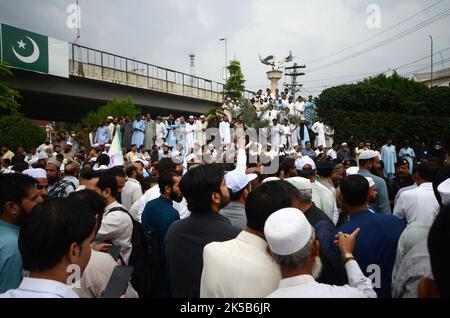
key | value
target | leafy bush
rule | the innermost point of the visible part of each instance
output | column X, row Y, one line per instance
column 20, row 131
column 388, row 106
column 115, row 108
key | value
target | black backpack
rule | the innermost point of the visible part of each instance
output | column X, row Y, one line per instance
column 145, row 272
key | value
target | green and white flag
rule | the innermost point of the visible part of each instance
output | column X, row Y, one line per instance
column 34, row 52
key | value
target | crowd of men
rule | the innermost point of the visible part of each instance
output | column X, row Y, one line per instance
column 213, row 215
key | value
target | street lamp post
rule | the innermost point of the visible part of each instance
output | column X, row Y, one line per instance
column 226, row 57
column 432, row 53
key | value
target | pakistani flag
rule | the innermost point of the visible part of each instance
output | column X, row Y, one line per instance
column 115, row 151
column 34, row 52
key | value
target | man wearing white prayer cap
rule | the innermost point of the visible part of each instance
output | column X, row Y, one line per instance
column 368, row 160
column 292, row 244
column 352, row 171
column 270, row 179
column 239, row 187
column 41, row 176
column 305, row 162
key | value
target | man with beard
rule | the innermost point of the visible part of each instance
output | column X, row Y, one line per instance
column 58, row 187
column 377, row 243
column 157, row 217
column 41, row 177
column 42, row 147
column 171, row 126
column 190, row 134
column 68, row 151
column 18, row 196
column 150, row 131
column 293, row 246
column 132, row 191
column 165, row 152
column 126, row 128
column 206, row 194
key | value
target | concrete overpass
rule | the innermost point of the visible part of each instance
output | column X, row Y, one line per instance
column 97, row 77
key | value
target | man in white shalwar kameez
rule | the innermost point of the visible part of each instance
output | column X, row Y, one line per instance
column 202, row 125
column 190, row 134
column 319, row 129
column 286, row 134
column 225, row 131
column 161, row 132
column 275, row 133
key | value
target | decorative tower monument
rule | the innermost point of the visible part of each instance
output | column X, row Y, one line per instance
column 275, row 75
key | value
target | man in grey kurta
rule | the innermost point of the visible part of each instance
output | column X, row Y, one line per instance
column 126, row 128
column 238, row 184
column 150, row 131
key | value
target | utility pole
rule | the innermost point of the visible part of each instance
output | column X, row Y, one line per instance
column 226, row 57
column 432, row 53
column 294, row 86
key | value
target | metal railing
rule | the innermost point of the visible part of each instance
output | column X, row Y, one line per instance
column 88, row 56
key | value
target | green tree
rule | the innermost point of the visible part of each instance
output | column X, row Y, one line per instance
column 115, row 108
column 235, row 85
column 20, row 131
column 8, row 96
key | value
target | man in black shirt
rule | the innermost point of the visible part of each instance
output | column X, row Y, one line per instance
column 206, row 194
column 401, row 180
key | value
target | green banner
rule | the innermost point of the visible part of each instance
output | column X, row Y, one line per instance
column 24, row 49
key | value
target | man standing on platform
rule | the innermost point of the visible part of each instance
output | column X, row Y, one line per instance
column 150, row 131
column 225, row 131
column 138, row 131
column 275, row 133
column 161, row 132
column 190, row 134
column 180, row 133
column 171, row 126
column 319, row 129
column 102, row 137
column 126, row 128
column 201, row 130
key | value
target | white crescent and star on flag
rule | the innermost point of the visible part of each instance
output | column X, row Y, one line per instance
column 27, row 59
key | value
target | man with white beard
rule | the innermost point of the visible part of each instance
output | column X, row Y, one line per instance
column 293, row 246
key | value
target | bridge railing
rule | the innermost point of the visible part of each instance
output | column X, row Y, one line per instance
column 94, row 63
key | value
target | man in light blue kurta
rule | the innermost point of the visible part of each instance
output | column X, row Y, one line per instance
column 102, row 136
column 138, row 131
column 407, row 153
column 389, row 157
column 310, row 111
column 171, row 125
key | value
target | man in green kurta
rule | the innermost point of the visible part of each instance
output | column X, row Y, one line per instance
column 150, row 131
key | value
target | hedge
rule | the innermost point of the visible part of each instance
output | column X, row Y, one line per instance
column 383, row 107
column 20, row 131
